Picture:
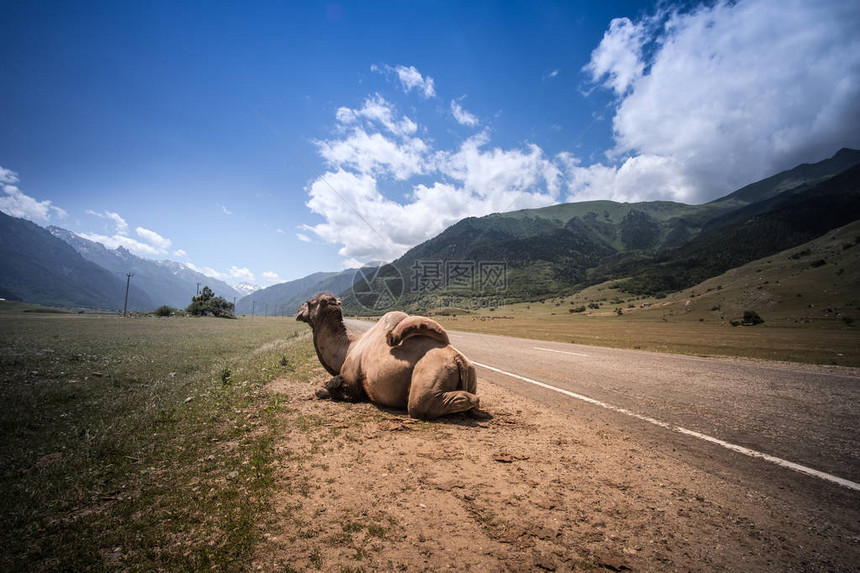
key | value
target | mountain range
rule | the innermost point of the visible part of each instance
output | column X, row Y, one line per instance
column 37, row 267
column 284, row 299
column 53, row 266
column 166, row 282
column 649, row 248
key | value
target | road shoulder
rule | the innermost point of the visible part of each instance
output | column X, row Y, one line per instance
column 528, row 489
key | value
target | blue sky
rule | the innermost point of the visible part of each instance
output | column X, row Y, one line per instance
column 263, row 142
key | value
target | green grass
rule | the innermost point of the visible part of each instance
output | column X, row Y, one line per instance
column 138, row 443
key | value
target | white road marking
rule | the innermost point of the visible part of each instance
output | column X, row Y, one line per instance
column 735, row 448
column 559, row 351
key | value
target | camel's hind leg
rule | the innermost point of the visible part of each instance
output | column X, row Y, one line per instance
column 435, row 389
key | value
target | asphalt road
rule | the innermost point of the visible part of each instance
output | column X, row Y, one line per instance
column 804, row 415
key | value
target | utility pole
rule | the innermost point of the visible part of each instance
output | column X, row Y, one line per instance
column 253, row 308
column 198, row 289
column 125, row 304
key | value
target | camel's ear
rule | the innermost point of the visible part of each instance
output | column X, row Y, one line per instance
column 332, row 300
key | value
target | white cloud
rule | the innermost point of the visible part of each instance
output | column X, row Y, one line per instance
column 304, row 238
column 271, row 277
column 639, row 178
column 135, row 247
column 377, row 111
column 225, row 210
column 180, row 253
column 374, row 140
column 17, row 204
column 732, row 93
column 410, row 79
column 121, row 225
column 472, row 181
column 154, row 239
column 375, row 153
column 151, row 244
column 243, row 273
column 352, row 264
column 618, row 58
column 8, row 176
column 208, row 271
column 462, row 116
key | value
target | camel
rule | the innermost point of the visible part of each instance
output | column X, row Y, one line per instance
column 403, row 362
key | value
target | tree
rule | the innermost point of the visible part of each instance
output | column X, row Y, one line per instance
column 206, row 303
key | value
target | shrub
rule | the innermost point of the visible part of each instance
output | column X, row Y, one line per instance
column 163, row 311
column 226, row 375
column 751, row 318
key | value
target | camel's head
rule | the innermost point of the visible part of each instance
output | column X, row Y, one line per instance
column 319, row 306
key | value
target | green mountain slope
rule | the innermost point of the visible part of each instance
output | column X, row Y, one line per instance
column 664, row 246
column 815, row 284
column 789, row 219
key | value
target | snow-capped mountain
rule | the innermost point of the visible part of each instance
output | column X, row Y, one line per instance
column 166, row 282
column 247, row 288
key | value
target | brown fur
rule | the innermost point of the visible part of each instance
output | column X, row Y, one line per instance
column 403, row 361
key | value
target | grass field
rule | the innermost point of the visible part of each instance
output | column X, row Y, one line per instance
column 838, row 346
column 137, row 443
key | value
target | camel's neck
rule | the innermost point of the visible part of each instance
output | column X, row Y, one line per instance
column 331, row 342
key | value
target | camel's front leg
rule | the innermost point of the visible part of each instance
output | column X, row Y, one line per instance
column 340, row 390
column 330, row 389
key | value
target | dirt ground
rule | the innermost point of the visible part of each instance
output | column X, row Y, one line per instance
column 361, row 488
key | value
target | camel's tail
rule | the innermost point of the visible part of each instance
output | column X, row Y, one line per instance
column 416, row 326
column 468, row 376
